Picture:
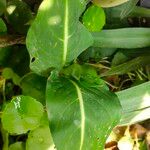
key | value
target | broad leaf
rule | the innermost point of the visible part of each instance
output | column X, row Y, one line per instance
column 21, row 115
column 57, row 37
column 81, row 117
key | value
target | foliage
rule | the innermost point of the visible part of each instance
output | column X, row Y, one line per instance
column 54, row 91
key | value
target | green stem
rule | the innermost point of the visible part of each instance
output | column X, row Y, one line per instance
column 5, row 137
column 4, row 96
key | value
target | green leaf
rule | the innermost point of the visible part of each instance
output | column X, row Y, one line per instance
column 21, row 115
column 34, row 85
column 2, row 6
column 94, row 18
column 56, row 37
column 80, row 117
column 18, row 15
column 9, row 74
column 126, row 67
column 122, row 38
column 3, row 27
column 108, row 3
column 135, row 103
column 17, row 146
column 40, row 138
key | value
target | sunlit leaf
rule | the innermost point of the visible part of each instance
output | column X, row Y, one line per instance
column 21, row 115
column 94, row 18
column 63, row 37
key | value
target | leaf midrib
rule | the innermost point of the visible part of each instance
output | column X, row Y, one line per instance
column 66, row 25
column 79, row 93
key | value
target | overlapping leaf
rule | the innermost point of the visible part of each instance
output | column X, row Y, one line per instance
column 57, row 37
column 80, row 117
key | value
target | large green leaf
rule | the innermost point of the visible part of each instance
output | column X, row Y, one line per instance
column 22, row 114
column 57, row 37
column 81, row 117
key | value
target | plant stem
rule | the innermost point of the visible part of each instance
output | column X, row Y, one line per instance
column 9, row 40
column 5, row 137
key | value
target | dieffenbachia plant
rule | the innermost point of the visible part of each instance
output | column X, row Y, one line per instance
column 81, row 113
column 80, row 110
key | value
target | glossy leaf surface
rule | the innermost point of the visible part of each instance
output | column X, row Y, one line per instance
column 94, row 18
column 80, row 118
column 63, row 37
column 21, row 115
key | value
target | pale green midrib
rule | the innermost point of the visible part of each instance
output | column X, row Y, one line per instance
column 79, row 93
column 66, row 22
